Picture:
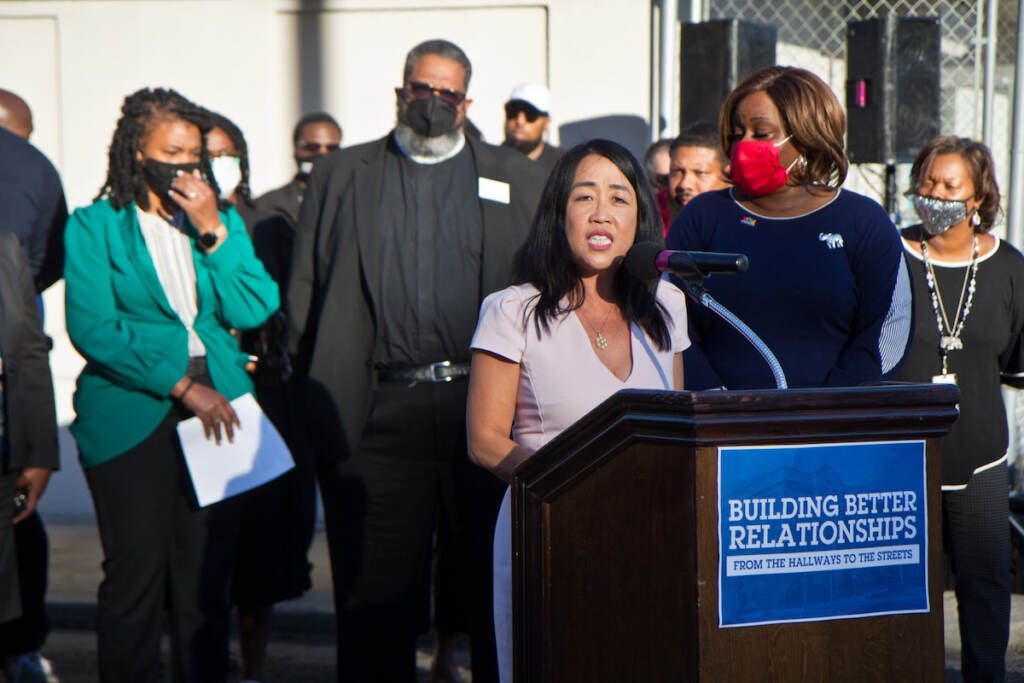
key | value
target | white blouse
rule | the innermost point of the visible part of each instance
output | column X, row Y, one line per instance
column 171, row 250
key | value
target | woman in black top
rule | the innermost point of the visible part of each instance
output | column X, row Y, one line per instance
column 969, row 314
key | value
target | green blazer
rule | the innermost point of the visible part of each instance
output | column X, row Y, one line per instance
column 134, row 344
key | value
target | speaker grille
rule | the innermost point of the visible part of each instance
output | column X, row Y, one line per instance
column 892, row 87
column 715, row 56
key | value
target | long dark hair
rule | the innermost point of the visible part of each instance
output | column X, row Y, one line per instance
column 545, row 260
column 139, row 112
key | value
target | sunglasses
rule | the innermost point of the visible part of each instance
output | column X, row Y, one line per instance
column 318, row 146
column 514, row 109
column 417, row 90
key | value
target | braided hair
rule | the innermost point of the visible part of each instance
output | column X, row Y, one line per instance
column 234, row 134
column 140, row 111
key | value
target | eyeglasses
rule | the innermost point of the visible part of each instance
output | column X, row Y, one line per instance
column 417, row 90
column 514, row 109
column 312, row 147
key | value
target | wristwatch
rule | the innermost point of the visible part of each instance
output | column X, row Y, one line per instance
column 210, row 239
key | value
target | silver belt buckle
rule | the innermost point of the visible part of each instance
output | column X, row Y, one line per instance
column 434, row 377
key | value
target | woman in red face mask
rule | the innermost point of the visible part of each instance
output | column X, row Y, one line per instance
column 827, row 287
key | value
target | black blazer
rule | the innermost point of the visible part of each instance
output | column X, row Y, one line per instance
column 31, row 420
column 333, row 299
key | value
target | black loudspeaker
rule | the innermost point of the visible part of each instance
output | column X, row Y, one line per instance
column 715, row 56
column 892, row 87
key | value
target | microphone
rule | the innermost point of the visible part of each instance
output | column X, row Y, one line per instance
column 647, row 260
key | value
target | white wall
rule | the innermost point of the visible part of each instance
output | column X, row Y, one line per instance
column 263, row 63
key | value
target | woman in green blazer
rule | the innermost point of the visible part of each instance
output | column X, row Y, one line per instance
column 157, row 279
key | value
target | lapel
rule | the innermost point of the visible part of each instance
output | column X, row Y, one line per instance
column 493, row 215
column 138, row 254
column 9, row 304
column 366, row 192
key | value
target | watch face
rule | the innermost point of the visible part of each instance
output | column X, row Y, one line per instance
column 208, row 239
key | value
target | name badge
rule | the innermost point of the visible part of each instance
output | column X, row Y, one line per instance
column 948, row 378
column 493, row 190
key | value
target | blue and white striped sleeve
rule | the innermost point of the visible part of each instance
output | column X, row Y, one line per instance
column 882, row 329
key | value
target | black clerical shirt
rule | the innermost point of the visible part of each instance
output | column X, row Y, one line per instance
column 430, row 245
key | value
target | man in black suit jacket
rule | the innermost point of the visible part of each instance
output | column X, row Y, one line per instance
column 398, row 242
column 28, row 418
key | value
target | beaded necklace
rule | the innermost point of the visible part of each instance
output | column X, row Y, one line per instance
column 949, row 335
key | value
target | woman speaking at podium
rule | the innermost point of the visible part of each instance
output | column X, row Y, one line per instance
column 970, row 315
column 575, row 329
column 827, row 288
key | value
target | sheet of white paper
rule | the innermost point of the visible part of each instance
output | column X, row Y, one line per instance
column 257, row 454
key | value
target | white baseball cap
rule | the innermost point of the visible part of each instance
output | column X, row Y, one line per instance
column 537, row 96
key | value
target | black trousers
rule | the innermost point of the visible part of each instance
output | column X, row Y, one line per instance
column 10, row 593
column 28, row 632
column 977, row 537
column 160, row 549
column 409, row 481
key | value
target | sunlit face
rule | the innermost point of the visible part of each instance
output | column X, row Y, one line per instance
column 693, row 170
column 316, row 139
column 521, row 129
column 948, row 177
column 601, row 216
column 172, row 141
column 757, row 118
column 443, row 74
column 218, row 144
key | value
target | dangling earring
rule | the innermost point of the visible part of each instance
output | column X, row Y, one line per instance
column 975, row 219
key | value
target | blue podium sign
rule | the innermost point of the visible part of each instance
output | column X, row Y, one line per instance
column 823, row 531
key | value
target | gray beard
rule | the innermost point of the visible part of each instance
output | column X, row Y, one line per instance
column 429, row 148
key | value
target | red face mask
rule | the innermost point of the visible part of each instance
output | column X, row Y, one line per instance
column 756, row 168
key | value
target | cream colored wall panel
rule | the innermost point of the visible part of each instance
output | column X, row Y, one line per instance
column 29, row 66
column 362, row 53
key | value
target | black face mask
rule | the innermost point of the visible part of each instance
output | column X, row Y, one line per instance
column 159, row 175
column 430, row 117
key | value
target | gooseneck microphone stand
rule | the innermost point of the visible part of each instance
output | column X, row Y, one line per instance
column 694, row 288
column 648, row 260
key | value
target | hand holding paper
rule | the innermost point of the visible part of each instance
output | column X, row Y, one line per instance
column 256, row 455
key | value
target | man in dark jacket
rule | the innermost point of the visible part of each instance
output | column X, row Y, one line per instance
column 32, row 208
column 28, row 454
column 316, row 134
column 399, row 240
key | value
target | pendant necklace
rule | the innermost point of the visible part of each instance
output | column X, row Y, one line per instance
column 949, row 335
column 600, row 341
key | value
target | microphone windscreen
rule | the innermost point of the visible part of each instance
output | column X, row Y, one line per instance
column 640, row 260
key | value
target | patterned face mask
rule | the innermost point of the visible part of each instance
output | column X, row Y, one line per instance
column 939, row 215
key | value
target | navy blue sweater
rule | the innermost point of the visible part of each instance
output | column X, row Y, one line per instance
column 829, row 292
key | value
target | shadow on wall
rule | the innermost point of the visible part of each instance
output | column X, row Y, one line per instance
column 632, row 132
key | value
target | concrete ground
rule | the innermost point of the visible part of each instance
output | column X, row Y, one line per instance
column 302, row 642
column 302, row 645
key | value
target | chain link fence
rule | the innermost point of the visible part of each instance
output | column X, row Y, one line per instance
column 812, row 34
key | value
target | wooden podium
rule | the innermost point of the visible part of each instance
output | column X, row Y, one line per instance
column 615, row 542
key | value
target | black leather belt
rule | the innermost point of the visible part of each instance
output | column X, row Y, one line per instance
column 197, row 366
column 444, row 371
